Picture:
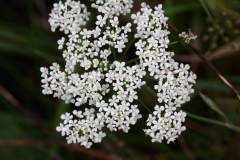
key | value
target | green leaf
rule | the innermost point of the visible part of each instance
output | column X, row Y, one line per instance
column 214, row 106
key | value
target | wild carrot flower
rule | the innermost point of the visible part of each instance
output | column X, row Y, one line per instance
column 91, row 50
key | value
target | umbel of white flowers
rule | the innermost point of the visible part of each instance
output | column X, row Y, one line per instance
column 91, row 50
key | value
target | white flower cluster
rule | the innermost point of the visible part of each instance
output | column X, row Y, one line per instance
column 69, row 16
column 83, row 128
column 187, row 37
column 174, row 80
column 112, row 8
column 93, row 50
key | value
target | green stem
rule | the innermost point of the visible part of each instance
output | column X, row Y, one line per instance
column 232, row 127
column 149, row 89
column 150, row 77
column 111, row 47
column 128, row 48
column 173, row 43
column 114, row 52
column 206, row 9
column 144, row 106
column 133, row 60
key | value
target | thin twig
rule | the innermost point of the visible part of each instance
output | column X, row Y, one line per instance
column 150, row 4
column 199, row 53
column 75, row 147
column 225, row 50
column 25, row 112
column 185, row 148
column 233, row 89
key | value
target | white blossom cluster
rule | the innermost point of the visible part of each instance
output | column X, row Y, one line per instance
column 69, row 16
column 174, row 79
column 93, row 50
column 84, row 127
column 187, row 37
column 112, row 8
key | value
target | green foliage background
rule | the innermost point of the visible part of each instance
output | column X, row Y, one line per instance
column 28, row 118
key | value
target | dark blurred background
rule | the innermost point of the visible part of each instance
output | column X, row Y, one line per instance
column 28, row 118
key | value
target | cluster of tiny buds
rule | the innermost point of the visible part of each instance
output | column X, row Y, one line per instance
column 108, row 86
column 187, row 37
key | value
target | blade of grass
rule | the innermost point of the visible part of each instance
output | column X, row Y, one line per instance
column 203, row 119
column 214, row 106
column 206, row 9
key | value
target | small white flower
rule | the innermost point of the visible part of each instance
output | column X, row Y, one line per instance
column 114, row 22
column 101, row 21
column 66, row 117
column 120, row 45
column 61, row 43
column 73, row 36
